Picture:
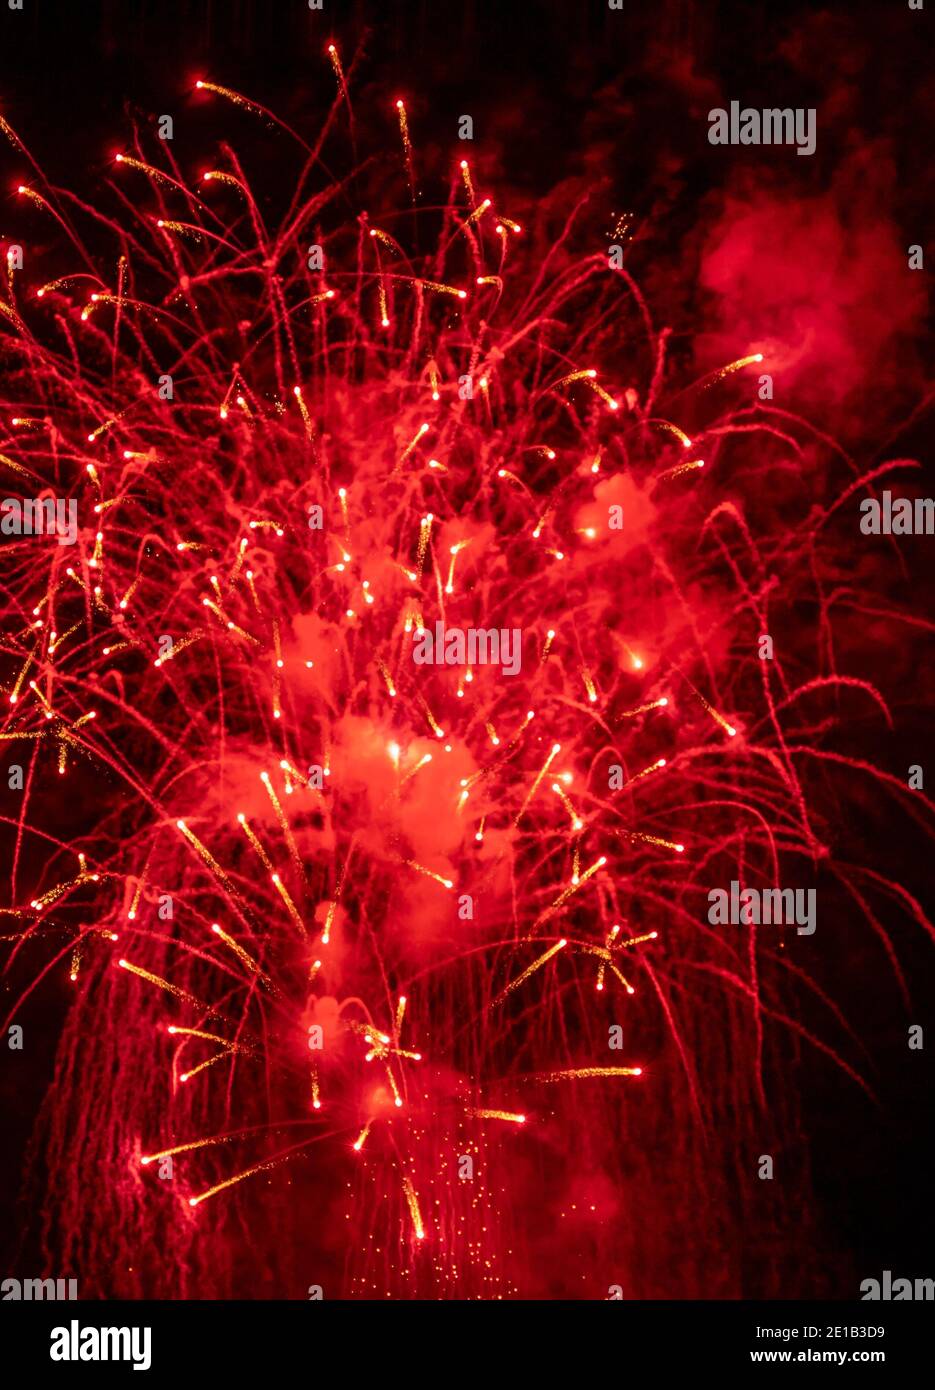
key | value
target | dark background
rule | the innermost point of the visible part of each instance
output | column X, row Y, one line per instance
column 568, row 90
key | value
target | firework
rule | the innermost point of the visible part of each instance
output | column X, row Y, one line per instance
column 369, row 898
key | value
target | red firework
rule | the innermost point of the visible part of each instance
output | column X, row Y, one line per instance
column 392, row 967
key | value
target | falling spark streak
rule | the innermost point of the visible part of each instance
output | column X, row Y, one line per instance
column 124, row 602
column 669, row 428
column 423, row 762
column 576, row 822
column 589, row 684
column 407, row 147
column 653, row 840
column 574, row 376
column 53, row 894
column 264, row 1167
column 49, row 711
column 293, row 772
column 11, row 463
column 260, row 851
column 160, row 983
column 362, row 1137
column 157, row 175
column 119, row 301
column 369, row 1033
column 606, row 961
column 395, row 1052
column 643, row 709
column 235, row 97
column 638, row 940
column 436, row 728
column 439, row 288
column 622, row 978
column 291, row 908
column 419, row 434
column 735, row 367
column 647, row 771
column 572, row 888
column 537, row 964
column 425, row 531
column 677, row 472
column 221, row 176
column 454, row 552
column 303, row 410
column 345, row 517
column 180, row 646
column 239, row 952
column 718, row 718
column 466, row 176
column 174, row 1028
column 478, row 212
column 582, row 1073
column 397, row 1098
column 608, row 400
column 54, row 646
column 429, row 873
column 18, row 685
column 386, row 240
column 284, row 825
column 333, row 905
column 553, row 754
column 13, row 138
column 207, row 857
column 187, row 1148
column 217, row 1057
column 508, row 1115
column 635, row 661
column 505, row 473
column 57, row 285
column 189, row 229
column 339, row 73
column 413, row 1204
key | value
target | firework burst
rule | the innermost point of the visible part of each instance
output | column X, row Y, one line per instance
column 349, row 935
